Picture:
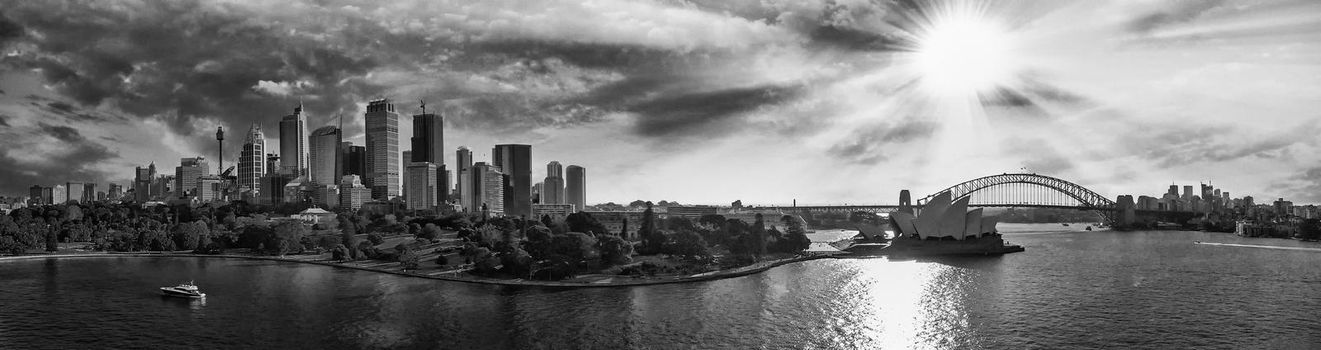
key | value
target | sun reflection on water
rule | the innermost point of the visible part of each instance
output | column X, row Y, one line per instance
column 911, row 305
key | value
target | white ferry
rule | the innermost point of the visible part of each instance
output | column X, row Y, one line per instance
column 184, row 290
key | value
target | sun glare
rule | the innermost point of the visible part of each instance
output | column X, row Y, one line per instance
column 963, row 51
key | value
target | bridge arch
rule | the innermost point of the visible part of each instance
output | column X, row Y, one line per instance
column 1086, row 198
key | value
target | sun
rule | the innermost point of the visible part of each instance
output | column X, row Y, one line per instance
column 961, row 50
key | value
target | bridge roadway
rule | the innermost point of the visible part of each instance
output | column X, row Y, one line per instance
column 886, row 208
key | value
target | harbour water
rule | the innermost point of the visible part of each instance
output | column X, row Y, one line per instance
column 1070, row 289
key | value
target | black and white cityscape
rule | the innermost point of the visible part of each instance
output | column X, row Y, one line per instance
column 796, row 174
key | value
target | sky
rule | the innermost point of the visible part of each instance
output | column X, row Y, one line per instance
column 764, row 101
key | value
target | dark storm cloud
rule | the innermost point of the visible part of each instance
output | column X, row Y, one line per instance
column 852, row 39
column 870, row 144
column 4, row 120
column 1304, row 186
column 75, row 161
column 184, row 59
column 1172, row 13
column 703, row 113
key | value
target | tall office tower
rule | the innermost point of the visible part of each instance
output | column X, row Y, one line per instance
column 1174, row 190
column 208, row 188
column 575, row 188
column 429, row 146
column 355, row 159
column 142, row 182
column 58, row 195
column 115, row 192
column 538, row 192
column 74, row 191
column 406, row 160
column 252, row 162
column 516, row 162
column 488, row 189
column 34, row 195
column 186, row 175
column 428, row 138
column 272, row 188
column 352, row 193
column 464, row 159
column 1187, row 192
column 382, row 149
column 48, row 195
column 553, row 187
column 324, row 160
column 89, row 192
column 293, row 143
column 421, row 192
column 273, row 163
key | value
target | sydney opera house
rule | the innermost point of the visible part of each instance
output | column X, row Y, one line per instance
column 940, row 228
column 941, row 219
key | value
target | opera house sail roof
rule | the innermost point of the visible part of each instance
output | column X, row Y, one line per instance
column 944, row 217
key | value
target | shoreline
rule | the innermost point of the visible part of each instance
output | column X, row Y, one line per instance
column 619, row 282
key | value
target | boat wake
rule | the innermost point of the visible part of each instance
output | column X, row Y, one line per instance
column 1259, row 246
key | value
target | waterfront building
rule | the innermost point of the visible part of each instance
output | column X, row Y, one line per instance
column 324, row 158
column 488, row 189
column 209, row 188
column 692, row 212
column 942, row 217
column 115, row 192
column 463, row 157
column 272, row 188
column 422, row 182
column 293, row 143
column 34, row 195
column 352, row 193
column 142, row 182
column 575, row 187
column 553, row 185
column 325, row 196
column 187, row 173
column 74, row 190
column 557, row 212
column 89, row 193
column 58, row 195
column 355, row 159
column 382, row 149
column 252, row 163
column 515, row 161
column 298, row 190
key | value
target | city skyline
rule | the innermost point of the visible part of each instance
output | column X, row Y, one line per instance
column 1125, row 98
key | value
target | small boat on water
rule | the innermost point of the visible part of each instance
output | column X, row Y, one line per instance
column 183, row 290
column 1065, row 224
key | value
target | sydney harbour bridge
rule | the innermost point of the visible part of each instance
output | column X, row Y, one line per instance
column 1021, row 191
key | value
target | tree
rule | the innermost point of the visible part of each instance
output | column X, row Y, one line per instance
column 340, row 253
column 516, row 262
column 430, row 232
column 756, row 238
column 286, row 237
column 795, row 237
column 348, row 235
column 188, row 235
column 615, row 250
column 52, row 240
column 584, row 222
column 408, row 259
column 375, row 238
column 652, row 239
column 737, row 204
column 442, row 260
column 688, row 244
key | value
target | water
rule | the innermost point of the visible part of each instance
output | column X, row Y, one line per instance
column 1068, row 290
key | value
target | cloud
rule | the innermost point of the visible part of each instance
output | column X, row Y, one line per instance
column 4, row 120
column 282, row 88
column 48, row 155
column 1038, row 156
column 873, row 143
column 1303, row 187
column 1169, row 13
column 703, row 113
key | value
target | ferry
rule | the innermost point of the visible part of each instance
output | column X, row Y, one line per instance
column 183, row 290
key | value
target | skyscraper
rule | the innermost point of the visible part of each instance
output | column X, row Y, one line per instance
column 115, row 192
column 406, row 160
column 488, row 189
column 382, row 149
column 464, row 159
column 553, row 187
column 429, row 146
column 89, row 192
column 252, row 162
column 34, row 195
column 293, row 143
column 575, row 189
column 186, row 175
column 324, row 159
column 355, row 159
column 516, row 162
column 75, row 192
column 58, row 195
column 142, row 182
column 422, row 182
column 352, row 193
